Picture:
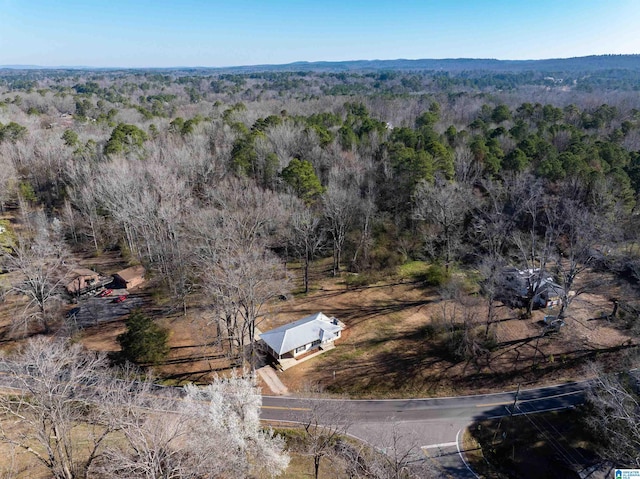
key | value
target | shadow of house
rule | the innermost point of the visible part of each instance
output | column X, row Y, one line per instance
column 129, row 278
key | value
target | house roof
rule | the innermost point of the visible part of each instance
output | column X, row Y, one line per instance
column 81, row 278
column 83, row 272
column 546, row 285
column 303, row 331
column 131, row 273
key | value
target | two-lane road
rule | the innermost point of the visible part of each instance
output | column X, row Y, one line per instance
column 278, row 408
column 427, row 426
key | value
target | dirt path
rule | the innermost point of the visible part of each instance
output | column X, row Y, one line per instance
column 270, row 377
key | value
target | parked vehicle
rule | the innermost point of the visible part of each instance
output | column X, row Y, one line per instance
column 105, row 292
column 120, row 298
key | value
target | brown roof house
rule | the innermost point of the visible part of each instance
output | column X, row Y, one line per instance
column 130, row 277
column 83, row 279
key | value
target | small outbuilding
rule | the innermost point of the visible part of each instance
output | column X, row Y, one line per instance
column 130, row 277
column 317, row 331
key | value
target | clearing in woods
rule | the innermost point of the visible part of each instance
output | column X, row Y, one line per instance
column 388, row 348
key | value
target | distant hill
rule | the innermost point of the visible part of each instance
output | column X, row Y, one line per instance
column 583, row 64
column 587, row 64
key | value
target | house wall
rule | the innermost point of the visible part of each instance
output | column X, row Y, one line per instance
column 305, row 348
column 131, row 283
column 315, row 344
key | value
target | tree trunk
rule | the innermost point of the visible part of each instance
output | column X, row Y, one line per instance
column 316, row 466
column 306, row 274
column 336, row 260
column 489, row 316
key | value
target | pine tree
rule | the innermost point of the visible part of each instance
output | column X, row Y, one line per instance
column 144, row 342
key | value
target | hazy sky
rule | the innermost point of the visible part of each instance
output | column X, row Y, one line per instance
column 161, row 33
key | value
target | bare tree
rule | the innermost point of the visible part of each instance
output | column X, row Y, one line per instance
column 213, row 431
column 581, row 234
column 43, row 263
column 493, row 226
column 340, row 207
column 613, row 413
column 8, row 180
column 241, row 282
column 237, row 267
column 399, row 457
column 467, row 169
column 325, row 423
column 444, row 206
column 307, row 239
column 85, row 200
column 59, row 391
column 66, row 404
column 366, row 218
column 537, row 244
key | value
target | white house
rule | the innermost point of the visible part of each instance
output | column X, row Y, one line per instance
column 294, row 339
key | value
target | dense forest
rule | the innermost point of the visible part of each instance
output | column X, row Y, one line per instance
column 197, row 174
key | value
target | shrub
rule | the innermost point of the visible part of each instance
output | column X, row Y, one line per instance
column 436, row 275
column 361, row 280
column 144, row 342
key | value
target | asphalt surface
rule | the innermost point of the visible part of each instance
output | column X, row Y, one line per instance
column 429, row 429
column 426, row 431
column 278, row 408
column 94, row 310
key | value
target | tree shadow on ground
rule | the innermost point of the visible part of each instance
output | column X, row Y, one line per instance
column 423, row 367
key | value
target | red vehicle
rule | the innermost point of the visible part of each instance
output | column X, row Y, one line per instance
column 121, row 298
column 105, row 292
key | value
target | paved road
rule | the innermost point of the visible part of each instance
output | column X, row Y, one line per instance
column 429, row 427
column 427, row 430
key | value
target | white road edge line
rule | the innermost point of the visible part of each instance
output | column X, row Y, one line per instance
column 462, row 456
column 443, row 444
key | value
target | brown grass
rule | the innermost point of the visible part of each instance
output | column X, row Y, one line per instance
column 386, row 350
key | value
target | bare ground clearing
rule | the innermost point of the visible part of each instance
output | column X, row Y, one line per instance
column 385, row 350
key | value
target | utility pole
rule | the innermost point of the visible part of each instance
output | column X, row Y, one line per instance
column 515, row 400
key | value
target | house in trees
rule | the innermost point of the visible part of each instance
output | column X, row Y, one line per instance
column 292, row 340
column 549, row 294
column 130, row 277
column 84, row 281
column 523, row 283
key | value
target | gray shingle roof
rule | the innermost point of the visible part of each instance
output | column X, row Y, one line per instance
column 303, row 331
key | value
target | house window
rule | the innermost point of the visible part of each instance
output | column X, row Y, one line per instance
column 315, row 343
column 301, row 349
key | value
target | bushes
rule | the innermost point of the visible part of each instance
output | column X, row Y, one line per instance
column 436, row 275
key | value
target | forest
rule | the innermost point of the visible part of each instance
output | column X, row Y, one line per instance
column 241, row 190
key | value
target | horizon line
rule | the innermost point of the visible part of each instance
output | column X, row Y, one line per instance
column 301, row 62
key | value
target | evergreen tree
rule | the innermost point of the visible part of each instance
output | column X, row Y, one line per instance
column 143, row 341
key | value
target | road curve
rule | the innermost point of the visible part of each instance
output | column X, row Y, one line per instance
column 430, row 428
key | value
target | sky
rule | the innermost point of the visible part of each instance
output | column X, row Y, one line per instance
column 213, row 33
